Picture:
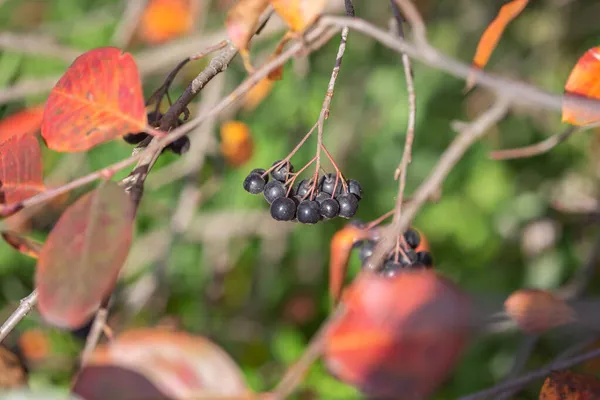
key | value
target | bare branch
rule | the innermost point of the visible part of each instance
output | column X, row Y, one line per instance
column 24, row 308
column 95, row 332
column 36, row 45
column 535, row 149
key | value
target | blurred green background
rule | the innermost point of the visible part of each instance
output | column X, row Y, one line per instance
column 260, row 291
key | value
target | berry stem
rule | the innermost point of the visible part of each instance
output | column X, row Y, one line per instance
column 337, row 171
column 294, row 151
column 296, row 174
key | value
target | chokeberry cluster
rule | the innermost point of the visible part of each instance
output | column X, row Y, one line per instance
column 179, row 146
column 310, row 200
column 405, row 256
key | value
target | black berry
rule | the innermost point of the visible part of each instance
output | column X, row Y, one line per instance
column 412, row 237
column 283, row 209
column 282, row 171
column 303, row 188
column 391, row 268
column 254, row 183
column 308, row 212
column 274, row 190
column 135, row 138
column 179, row 146
column 355, row 188
column 330, row 208
column 348, row 205
column 424, row 258
column 366, row 251
column 261, row 172
column 322, row 196
column 328, row 183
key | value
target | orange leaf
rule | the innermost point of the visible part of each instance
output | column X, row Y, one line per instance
column 81, row 259
column 35, row 344
column 175, row 363
column 257, row 94
column 490, row 38
column 24, row 122
column 24, row 245
column 566, row 385
column 98, row 99
column 583, row 81
column 164, row 20
column 237, row 145
column 298, row 14
column 402, row 334
column 20, row 169
column 536, row 311
column 241, row 24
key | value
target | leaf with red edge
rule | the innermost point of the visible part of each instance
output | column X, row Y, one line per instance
column 25, row 122
column 177, row 364
column 298, row 14
column 398, row 335
column 241, row 24
column 99, row 98
column 536, row 311
column 81, row 258
column 584, row 81
column 490, row 38
column 24, row 245
column 20, row 169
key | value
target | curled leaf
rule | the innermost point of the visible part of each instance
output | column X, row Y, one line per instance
column 99, row 98
column 241, row 23
column 536, row 311
column 81, row 258
column 237, row 145
column 566, row 385
column 490, row 38
column 398, row 335
column 25, row 122
column 24, row 245
column 20, row 169
column 584, row 81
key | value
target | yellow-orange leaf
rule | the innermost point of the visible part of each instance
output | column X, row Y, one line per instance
column 490, row 38
column 257, row 94
column 298, row 14
column 566, row 385
column 164, row 20
column 241, row 24
column 536, row 311
column 583, row 81
column 237, row 145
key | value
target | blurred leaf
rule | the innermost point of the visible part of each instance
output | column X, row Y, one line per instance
column 241, row 24
column 257, row 94
column 298, row 14
column 27, row 394
column 237, row 145
column 176, row 363
column 566, row 385
column 164, row 20
column 24, row 245
column 20, row 169
column 398, row 335
column 490, row 38
column 583, row 81
column 536, row 311
column 81, row 258
column 25, row 122
column 13, row 373
column 98, row 99
column 34, row 344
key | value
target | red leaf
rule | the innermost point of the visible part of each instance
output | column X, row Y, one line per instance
column 24, row 245
column 536, row 311
column 398, row 335
column 20, row 169
column 98, row 99
column 176, row 363
column 583, row 81
column 81, row 259
column 490, row 38
column 25, row 122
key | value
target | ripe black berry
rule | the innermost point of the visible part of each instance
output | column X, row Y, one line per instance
column 366, row 251
column 261, row 172
column 308, row 212
column 355, row 188
column 303, row 188
column 135, row 138
column 274, row 190
column 283, row 209
column 348, row 205
column 391, row 268
column 282, row 172
column 179, row 146
column 330, row 208
column 424, row 258
column 322, row 196
column 412, row 237
column 254, row 183
column 328, row 183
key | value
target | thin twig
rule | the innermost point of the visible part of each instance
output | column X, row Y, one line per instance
column 535, row 149
column 25, row 306
column 128, row 24
column 520, row 362
column 95, row 332
column 37, row 45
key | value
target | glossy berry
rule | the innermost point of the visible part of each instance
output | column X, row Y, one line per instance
column 322, row 196
column 261, row 172
column 329, row 208
column 283, row 209
column 274, row 190
column 135, row 138
column 303, row 188
column 412, row 237
column 308, row 212
column 366, row 251
column 328, row 183
column 254, row 183
column 179, row 146
column 391, row 268
column 424, row 258
column 348, row 205
column 355, row 188
column 282, row 172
